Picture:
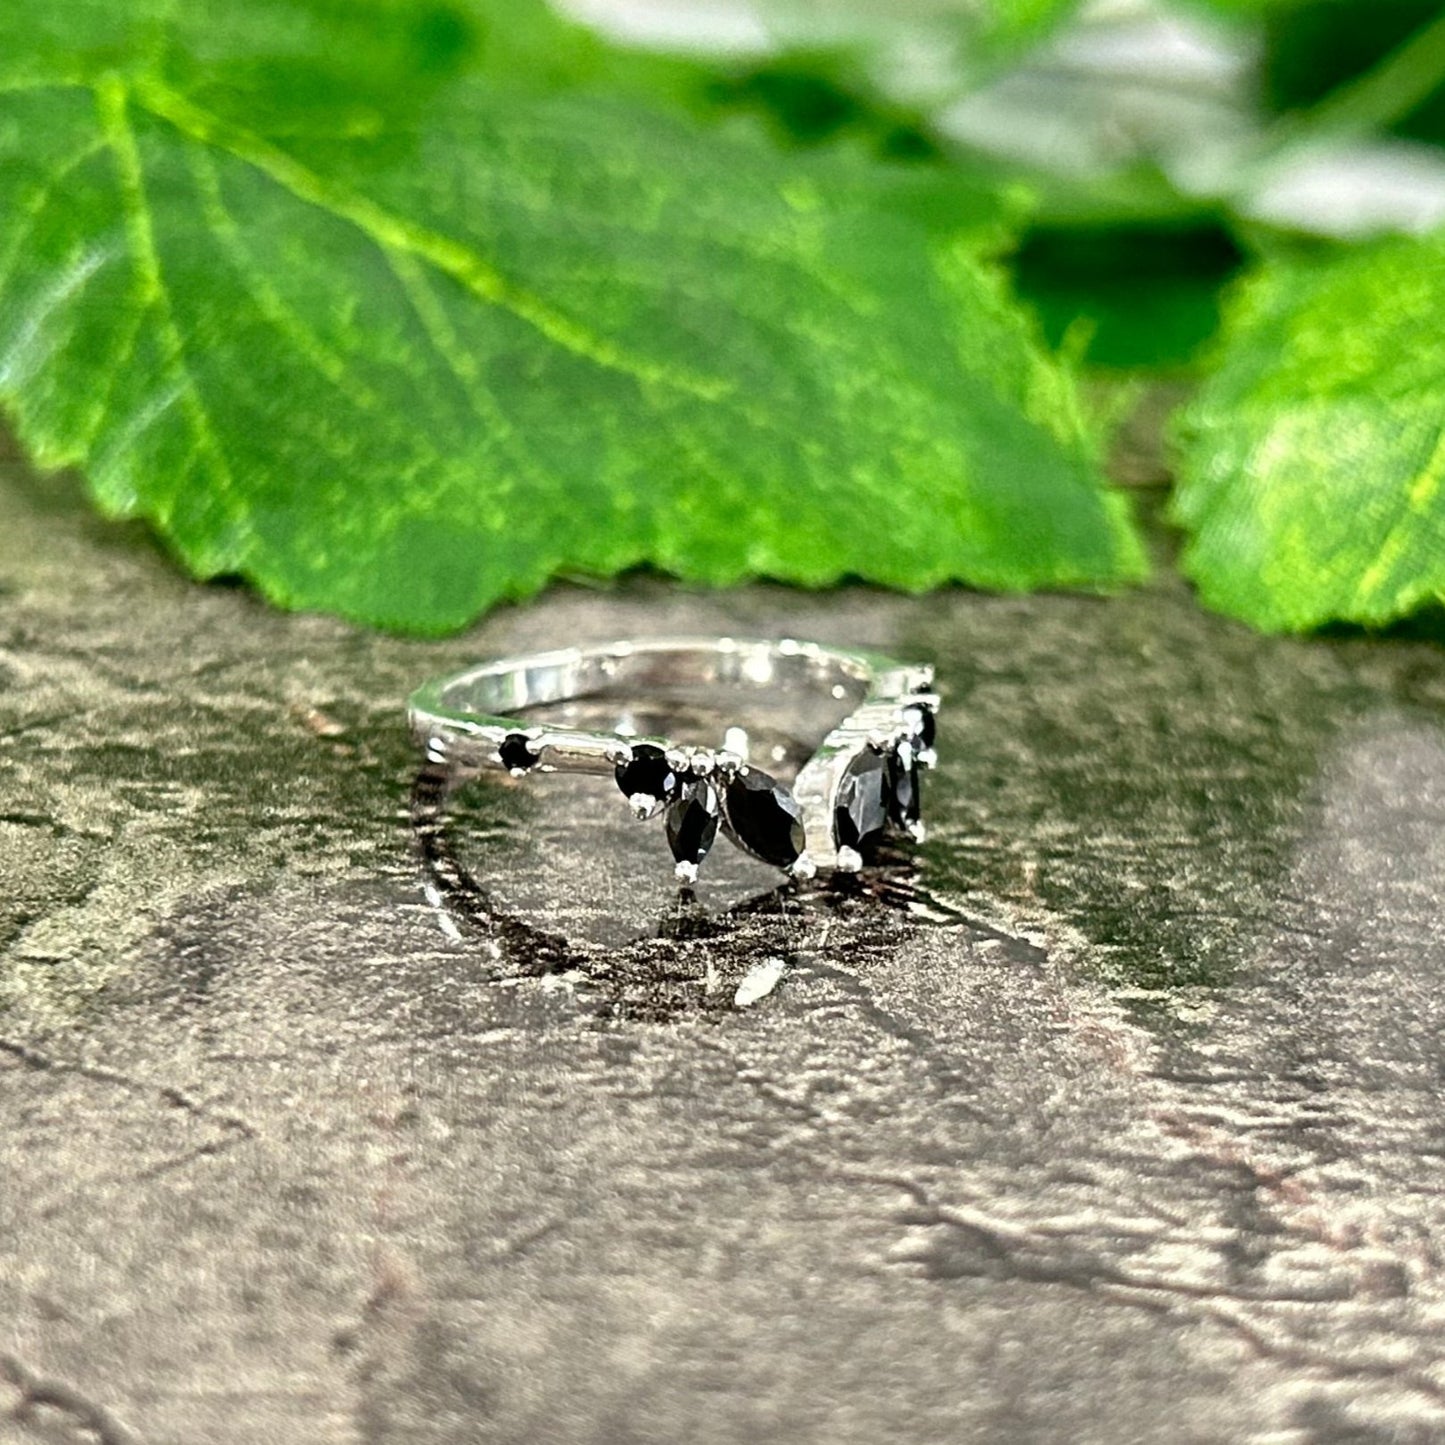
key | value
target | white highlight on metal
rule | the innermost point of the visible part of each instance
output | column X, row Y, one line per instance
column 760, row 981
column 735, row 741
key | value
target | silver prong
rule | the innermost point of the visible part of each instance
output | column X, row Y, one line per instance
column 685, row 872
column 803, row 868
column 850, row 860
column 644, row 806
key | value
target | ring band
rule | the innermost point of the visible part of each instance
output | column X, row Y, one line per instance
column 860, row 783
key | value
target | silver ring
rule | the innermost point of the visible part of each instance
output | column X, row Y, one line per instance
column 846, row 794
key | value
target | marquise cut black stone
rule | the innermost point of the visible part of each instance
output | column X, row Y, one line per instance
column 515, row 754
column 647, row 774
column 861, row 812
column 925, row 728
column 903, row 800
column 692, row 822
column 765, row 818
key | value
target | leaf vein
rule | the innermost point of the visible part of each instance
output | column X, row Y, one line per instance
column 15, row 361
column 38, row 204
column 268, row 300
column 1423, row 492
column 393, row 233
column 112, row 104
column 444, row 342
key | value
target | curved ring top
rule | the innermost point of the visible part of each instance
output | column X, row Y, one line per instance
column 468, row 720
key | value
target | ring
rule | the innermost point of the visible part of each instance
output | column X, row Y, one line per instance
column 847, row 793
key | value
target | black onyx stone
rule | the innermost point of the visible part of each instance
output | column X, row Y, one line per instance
column 647, row 774
column 903, row 801
column 925, row 728
column 692, row 825
column 765, row 818
column 861, row 812
column 515, row 753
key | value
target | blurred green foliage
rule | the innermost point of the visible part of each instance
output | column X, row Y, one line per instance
column 1131, row 297
column 398, row 307
column 1313, row 49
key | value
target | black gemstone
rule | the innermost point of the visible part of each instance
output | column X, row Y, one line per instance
column 647, row 774
column 515, row 753
column 861, row 812
column 903, row 801
column 692, row 822
column 765, row 818
column 925, row 728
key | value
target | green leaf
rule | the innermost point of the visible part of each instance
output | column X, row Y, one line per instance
column 1312, row 479
column 346, row 315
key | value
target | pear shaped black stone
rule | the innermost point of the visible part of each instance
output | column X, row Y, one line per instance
column 904, row 806
column 925, row 728
column 647, row 774
column 861, row 812
column 764, row 817
column 692, row 823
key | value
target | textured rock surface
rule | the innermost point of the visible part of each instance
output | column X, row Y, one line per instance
column 1120, row 1120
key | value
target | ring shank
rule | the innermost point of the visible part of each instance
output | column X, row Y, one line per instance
column 516, row 684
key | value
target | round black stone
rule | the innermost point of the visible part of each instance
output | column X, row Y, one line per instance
column 647, row 773
column 692, row 822
column 765, row 818
column 861, row 812
column 902, row 793
column 515, row 753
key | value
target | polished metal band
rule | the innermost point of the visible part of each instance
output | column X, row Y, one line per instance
column 470, row 722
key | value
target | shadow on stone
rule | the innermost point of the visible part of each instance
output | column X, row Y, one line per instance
column 692, row 959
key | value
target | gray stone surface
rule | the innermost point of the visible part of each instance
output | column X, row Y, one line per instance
column 1118, row 1119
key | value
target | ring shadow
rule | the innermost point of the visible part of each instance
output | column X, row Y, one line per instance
column 691, row 960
